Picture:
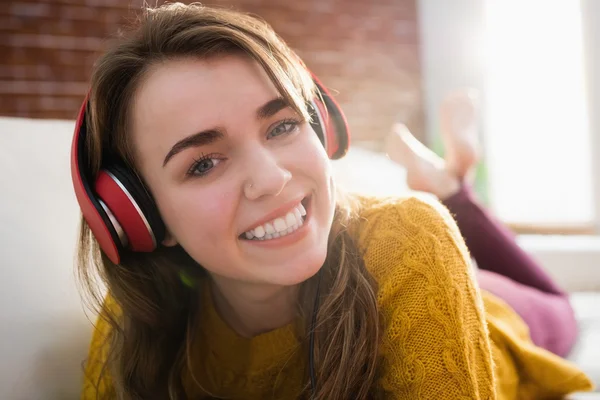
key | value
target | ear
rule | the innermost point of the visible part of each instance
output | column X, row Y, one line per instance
column 169, row 240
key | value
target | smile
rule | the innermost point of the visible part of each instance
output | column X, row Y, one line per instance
column 280, row 226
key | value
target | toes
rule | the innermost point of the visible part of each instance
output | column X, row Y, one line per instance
column 402, row 147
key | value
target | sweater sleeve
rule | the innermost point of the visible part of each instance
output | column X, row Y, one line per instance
column 435, row 342
column 97, row 384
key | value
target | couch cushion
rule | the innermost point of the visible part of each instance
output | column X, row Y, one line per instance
column 586, row 352
column 44, row 331
column 370, row 173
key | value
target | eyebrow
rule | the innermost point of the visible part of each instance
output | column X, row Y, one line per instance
column 196, row 140
column 271, row 108
column 210, row 136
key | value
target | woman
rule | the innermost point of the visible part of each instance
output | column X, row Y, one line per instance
column 248, row 278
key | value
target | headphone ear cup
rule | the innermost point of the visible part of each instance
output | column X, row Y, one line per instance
column 99, row 219
column 131, row 204
column 143, row 199
column 115, row 204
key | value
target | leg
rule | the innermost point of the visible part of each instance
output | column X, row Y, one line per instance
column 493, row 246
column 550, row 318
column 509, row 272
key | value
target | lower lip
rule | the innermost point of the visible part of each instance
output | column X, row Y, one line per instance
column 290, row 238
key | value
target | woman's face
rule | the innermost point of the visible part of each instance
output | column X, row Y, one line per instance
column 233, row 169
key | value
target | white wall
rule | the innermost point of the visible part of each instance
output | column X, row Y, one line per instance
column 450, row 33
column 591, row 38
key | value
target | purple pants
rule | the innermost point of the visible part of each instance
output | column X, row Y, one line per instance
column 511, row 274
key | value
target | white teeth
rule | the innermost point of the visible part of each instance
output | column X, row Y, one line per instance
column 302, row 210
column 279, row 225
column 259, row 232
column 269, row 229
column 290, row 219
column 297, row 215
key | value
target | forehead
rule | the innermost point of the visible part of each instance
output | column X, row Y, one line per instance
column 181, row 97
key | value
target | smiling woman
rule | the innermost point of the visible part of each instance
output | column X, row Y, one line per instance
column 230, row 144
column 252, row 149
column 201, row 163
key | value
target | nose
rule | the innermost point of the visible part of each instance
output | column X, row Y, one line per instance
column 265, row 176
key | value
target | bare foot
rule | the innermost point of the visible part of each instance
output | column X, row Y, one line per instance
column 425, row 171
column 458, row 119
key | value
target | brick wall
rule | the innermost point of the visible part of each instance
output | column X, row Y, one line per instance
column 367, row 51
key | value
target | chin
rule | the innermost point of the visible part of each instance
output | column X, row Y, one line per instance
column 299, row 270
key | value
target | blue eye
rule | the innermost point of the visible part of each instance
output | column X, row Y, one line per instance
column 204, row 165
column 284, row 128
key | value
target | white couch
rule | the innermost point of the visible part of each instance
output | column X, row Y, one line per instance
column 44, row 330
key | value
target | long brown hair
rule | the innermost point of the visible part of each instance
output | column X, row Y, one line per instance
column 153, row 322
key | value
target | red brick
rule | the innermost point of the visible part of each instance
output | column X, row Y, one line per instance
column 367, row 52
column 26, row 10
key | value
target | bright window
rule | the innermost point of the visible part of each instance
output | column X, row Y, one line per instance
column 535, row 116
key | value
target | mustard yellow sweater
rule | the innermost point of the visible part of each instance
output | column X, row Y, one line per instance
column 442, row 337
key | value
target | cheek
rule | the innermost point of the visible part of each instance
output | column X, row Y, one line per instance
column 315, row 166
column 313, row 160
column 199, row 217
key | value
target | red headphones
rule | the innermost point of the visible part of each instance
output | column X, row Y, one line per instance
column 120, row 211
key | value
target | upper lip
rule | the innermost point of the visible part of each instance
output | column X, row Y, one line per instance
column 280, row 211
